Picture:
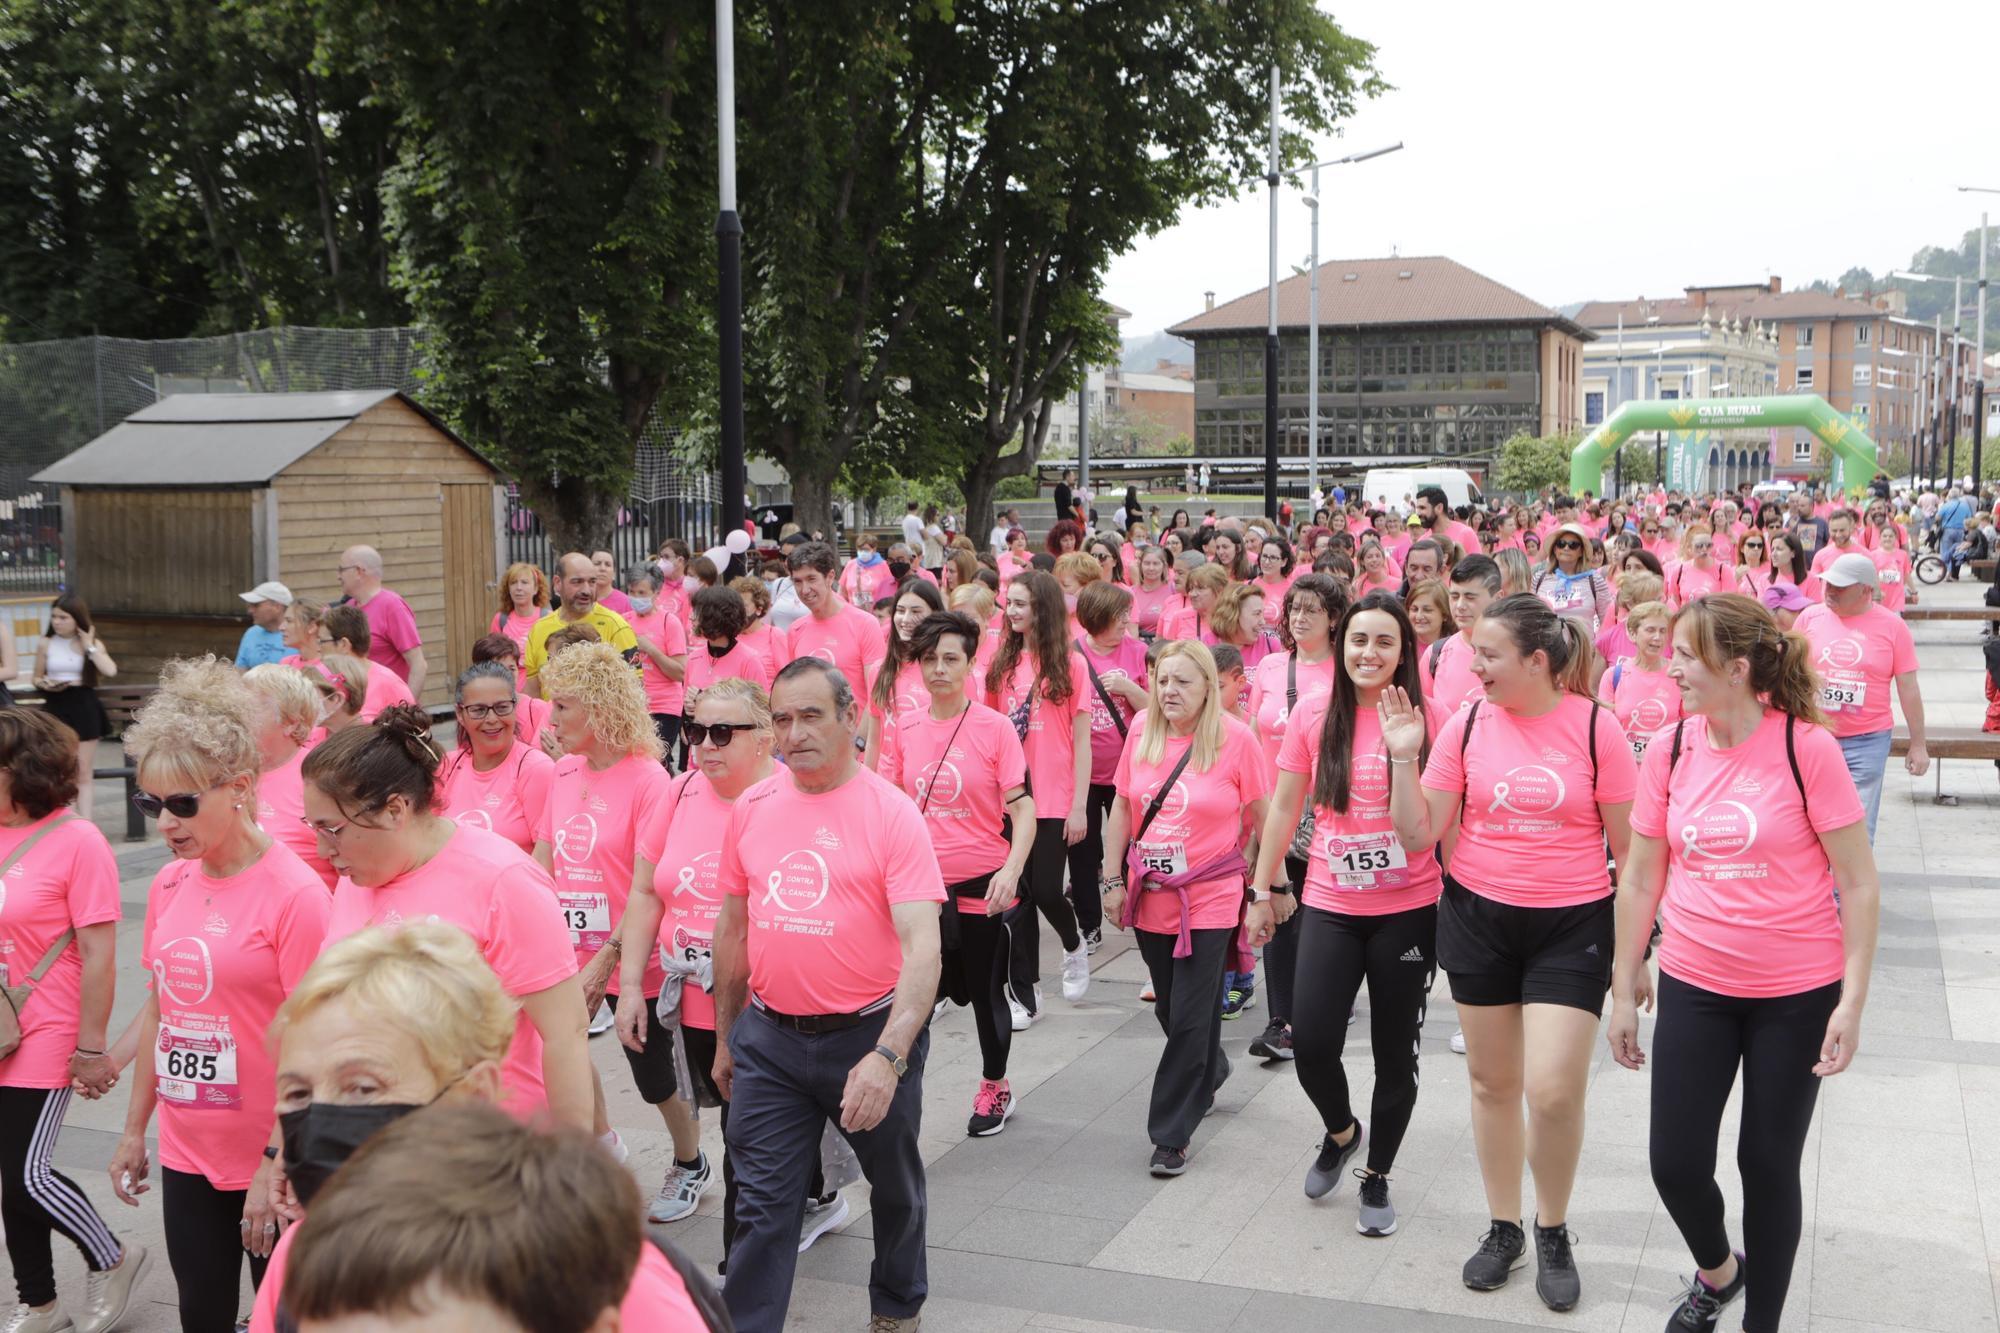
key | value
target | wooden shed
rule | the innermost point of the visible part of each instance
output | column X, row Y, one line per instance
column 173, row 512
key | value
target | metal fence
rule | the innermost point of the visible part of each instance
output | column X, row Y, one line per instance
column 642, row 526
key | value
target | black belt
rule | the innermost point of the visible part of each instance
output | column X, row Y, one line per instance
column 813, row 1025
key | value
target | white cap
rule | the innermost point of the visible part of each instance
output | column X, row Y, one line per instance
column 270, row 590
column 1850, row 569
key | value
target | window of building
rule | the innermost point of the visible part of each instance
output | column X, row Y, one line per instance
column 1803, row 379
column 1593, row 408
column 1802, row 449
column 1862, row 333
column 1864, row 376
column 1805, row 337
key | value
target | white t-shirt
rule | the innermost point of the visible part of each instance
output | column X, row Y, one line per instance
column 997, row 539
column 913, row 532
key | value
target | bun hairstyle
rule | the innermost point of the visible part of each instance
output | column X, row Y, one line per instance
column 1726, row 626
column 362, row 768
column 1534, row 628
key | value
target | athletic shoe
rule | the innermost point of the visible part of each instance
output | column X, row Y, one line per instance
column 1093, row 940
column 1275, row 1043
column 1378, row 1215
column 603, row 1020
column 1701, row 1309
column 1501, row 1251
column 1323, row 1176
column 991, row 1106
column 822, row 1215
column 1556, row 1280
column 108, row 1295
column 615, row 1146
column 681, row 1191
column 1146, row 991
column 1076, row 972
column 1018, row 1016
column 1458, row 1042
column 1242, row 993
column 888, row 1323
column 1168, row 1161
column 27, row 1319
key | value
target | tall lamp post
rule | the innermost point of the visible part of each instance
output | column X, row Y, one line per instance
column 1952, row 393
column 1979, row 344
column 729, row 269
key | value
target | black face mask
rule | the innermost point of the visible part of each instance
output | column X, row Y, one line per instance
column 898, row 568
column 319, row 1139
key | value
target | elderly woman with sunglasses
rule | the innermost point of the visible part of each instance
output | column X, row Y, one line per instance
column 232, row 924
column 495, row 779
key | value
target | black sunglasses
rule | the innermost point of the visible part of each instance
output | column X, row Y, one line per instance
column 718, row 734
column 181, row 805
column 1569, row 546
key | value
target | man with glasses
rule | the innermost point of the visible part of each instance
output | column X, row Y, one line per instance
column 393, row 640
column 576, row 580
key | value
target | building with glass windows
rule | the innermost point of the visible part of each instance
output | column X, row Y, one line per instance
column 1419, row 359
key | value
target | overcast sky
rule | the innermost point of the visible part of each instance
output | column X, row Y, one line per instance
column 1581, row 151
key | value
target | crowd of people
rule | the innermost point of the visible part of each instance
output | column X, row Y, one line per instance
column 766, row 817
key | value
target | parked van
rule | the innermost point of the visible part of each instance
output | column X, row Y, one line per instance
column 1387, row 487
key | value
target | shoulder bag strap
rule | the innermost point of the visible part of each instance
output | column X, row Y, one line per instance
column 1437, row 653
column 1292, row 682
column 1117, row 719
column 1160, row 796
column 1465, row 737
column 63, row 940
column 963, row 714
column 1674, row 754
column 1595, row 708
column 1792, row 758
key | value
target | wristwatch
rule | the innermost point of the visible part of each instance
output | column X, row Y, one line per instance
column 896, row 1062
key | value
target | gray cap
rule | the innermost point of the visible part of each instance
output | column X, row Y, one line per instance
column 1850, row 569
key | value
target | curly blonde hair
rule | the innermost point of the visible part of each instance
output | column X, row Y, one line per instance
column 197, row 728
column 595, row 676
column 286, row 691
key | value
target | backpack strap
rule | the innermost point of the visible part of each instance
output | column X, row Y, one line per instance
column 1291, row 682
column 1617, row 674
column 1792, row 758
column 1674, row 754
column 1465, row 737
column 1437, row 651
column 1595, row 709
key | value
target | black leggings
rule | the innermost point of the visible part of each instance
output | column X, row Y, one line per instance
column 1698, row 1043
column 1086, row 860
column 1396, row 954
column 1281, row 951
column 673, row 755
column 982, row 954
column 205, row 1249
column 1044, row 887
column 36, row 1200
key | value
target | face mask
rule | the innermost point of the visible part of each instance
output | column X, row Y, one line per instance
column 869, row 559
column 320, row 1137
column 898, row 568
column 642, row 605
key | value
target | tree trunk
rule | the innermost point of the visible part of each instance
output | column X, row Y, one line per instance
column 812, row 493
column 578, row 514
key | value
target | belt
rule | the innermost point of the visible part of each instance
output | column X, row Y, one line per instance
column 813, row 1025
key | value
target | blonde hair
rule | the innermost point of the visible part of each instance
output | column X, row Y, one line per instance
column 594, row 675
column 978, row 597
column 1640, row 586
column 197, row 725
column 1649, row 609
column 426, row 979
column 1207, row 728
column 352, row 674
column 746, row 692
column 1080, row 566
column 1515, row 573
column 1226, row 619
column 286, row 691
column 306, row 612
column 1724, row 626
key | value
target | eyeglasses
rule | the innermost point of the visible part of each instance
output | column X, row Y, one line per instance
column 1753, row 546
column 480, row 712
column 717, row 734
column 346, row 569
column 333, row 832
column 181, row 805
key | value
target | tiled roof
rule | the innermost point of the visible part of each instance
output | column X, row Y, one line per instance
column 1760, row 306
column 1420, row 290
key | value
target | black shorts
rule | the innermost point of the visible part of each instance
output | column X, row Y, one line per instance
column 653, row 1068
column 1495, row 953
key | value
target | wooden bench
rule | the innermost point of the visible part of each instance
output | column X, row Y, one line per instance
column 1950, row 743
column 1951, row 613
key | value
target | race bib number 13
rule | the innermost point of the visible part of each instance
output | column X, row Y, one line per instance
column 588, row 916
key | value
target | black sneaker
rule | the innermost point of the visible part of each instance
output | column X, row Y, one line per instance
column 1501, row 1251
column 1093, row 940
column 1556, row 1280
column 1168, row 1161
column 1323, row 1176
column 1377, row 1216
column 1275, row 1043
column 1701, row 1308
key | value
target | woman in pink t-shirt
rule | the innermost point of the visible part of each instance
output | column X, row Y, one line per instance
column 1153, row 594
column 1191, row 791
column 1636, row 688
column 717, row 650
column 1750, row 846
column 232, row 924
column 1200, row 589
column 371, row 797
column 663, row 659
column 1699, row 571
column 1115, row 664
column 1890, row 546
column 1375, row 574
column 1533, row 778
column 1238, row 620
column 289, row 712
column 1110, row 558
column 1275, row 571
column 1367, row 910
column 524, row 599
column 897, row 688
column 497, row 779
column 1037, row 679
column 60, row 903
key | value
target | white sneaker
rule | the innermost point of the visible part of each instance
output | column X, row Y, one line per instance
column 108, row 1295
column 1458, row 1041
column 822, row 1216
column 1018, row 1014
column 27, row 1319
column 1076, row 973
column 615, row 1146
column 1146, row 991
column 680, row 1192
column 603, row 1020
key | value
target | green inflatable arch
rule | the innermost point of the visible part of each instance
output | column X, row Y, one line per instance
column 1688, row 419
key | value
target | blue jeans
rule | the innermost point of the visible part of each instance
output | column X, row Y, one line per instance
column 1954, row 542
column 1867, row 757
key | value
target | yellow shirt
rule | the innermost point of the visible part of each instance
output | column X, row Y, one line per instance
column 610, row 626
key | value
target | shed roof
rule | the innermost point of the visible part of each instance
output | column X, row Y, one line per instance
column 219, row 439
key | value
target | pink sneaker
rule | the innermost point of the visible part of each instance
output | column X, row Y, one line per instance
column 991, row 1106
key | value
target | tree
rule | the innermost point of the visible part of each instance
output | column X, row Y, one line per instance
column 551, row 213
column 1529, row 463
column 1637, row 463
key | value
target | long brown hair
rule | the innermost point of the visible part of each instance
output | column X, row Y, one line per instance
column 1333, row 775
column 1724, row 626
column 1045, row 642
column 901, row 652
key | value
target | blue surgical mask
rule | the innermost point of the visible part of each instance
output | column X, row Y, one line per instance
column 642, row 605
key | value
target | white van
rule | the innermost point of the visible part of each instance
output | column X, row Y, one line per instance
column 1386, row 488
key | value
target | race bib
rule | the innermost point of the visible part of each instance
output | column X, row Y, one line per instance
column 196, row 1068
column 1838, row 696
column 588, row 916
column 1892, row 574
column 1364, row 860
column 1163, row 858
column 1568, row 599
column 1638, row 745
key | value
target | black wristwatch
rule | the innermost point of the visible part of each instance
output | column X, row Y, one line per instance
column 896, row 1062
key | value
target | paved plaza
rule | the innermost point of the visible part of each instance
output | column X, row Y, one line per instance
column 1055, row 1224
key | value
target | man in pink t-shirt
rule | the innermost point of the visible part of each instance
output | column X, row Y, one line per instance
column 393, row 640
column 1842, row 530
column 1858, row 649
column 847, row 636
column 826, row 966
column 1447, row 664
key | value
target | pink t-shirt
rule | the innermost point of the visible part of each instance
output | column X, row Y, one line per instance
column 1149, row 604
column 665, row 632
column 592, row 828
column 1051, row 742
column 611, row 599
column 392, row 631
column 385, row 689
column 909, row 695
column 1274, row 597
column 1452, row 685
column 494, row 891
column 683, row 840
column 959, row 789
column 1357, row 866
column 516, row 627
column 743, row 661
column 510, row 799
column 1858, row 659
column 850, row 638
column 1269, row 686
column 1750, row 907
column 1126, row 662
column 281, row 810
column 1688, row 581
column 1892, row 568
column 768, row 644
column 1822, row 559
column 1644, row 702
column 533, row 715
column 1201, row 820
column 68, row 880
column 224, row 954
column 1529, row 830
column 827, row 867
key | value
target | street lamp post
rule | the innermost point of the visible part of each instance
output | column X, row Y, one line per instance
column 729, row 270
column 1271, row 325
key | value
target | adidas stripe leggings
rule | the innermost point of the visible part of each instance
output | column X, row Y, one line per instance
column 1396, row 955
column 37, row 1201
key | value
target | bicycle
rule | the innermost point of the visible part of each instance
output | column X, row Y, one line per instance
column 1929, row 568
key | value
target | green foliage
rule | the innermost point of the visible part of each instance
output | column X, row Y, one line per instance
column 1528, row 463
column 1638, row 463
column 1010, row 488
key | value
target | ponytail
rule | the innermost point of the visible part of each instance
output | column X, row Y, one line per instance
column 1563, row 640
column 362, row 768
column 1726, row 627
column 1573, row 673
